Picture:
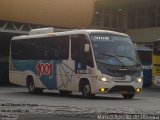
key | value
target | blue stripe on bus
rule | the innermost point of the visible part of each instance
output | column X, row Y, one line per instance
column 37, row 67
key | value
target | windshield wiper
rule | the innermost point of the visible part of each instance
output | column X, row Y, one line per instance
column 108, row 54
column 130, row 58
column 106, row 63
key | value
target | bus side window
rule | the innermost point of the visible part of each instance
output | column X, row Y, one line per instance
column 43, row 49
column 156, row 49
column 77, row 50
column 58, row 47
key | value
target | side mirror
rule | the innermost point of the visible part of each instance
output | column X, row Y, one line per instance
column 135, row 45
column 86, row 48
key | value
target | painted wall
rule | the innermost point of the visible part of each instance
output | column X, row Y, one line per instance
column 61, row 13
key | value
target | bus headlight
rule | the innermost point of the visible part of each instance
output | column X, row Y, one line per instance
column 139, row 80
column 103, row 79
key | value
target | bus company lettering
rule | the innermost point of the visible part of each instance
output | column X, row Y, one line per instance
column 45, row 69
column 147, row 67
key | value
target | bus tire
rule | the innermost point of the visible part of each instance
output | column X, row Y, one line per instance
column 65, row 92
column 86, row 91
column 31, row 87
column 128, row 96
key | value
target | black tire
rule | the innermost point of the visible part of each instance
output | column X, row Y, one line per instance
column 86, row 91
column 31, row 87
column 38, row 90
column 65, row 92
column 128, row 96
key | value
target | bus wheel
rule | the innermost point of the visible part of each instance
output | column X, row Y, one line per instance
column 86, row 91
column 31, row 87
column 65, row 92
column 128, row 96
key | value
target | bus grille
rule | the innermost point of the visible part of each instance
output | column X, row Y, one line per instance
column 117, row 71
column 122, row 89
column 120, row 73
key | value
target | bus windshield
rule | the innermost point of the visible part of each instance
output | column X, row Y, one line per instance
column 156, row 50
column 114, row 50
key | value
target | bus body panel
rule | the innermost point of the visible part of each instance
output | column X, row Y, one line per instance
column 61, row 76
column 145, row 55
column 156, row 70
column 156, row 63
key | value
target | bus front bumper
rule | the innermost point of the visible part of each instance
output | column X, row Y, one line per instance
column 117, row 87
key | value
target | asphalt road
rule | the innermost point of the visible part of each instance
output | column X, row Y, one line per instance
column 17, row 104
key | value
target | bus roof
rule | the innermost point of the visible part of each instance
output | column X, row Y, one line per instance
column 143, row 48
column 157, row 40
column 73, row 32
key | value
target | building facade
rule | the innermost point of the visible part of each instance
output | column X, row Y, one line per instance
column 138, row 18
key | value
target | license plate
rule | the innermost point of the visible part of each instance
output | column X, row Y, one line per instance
column 118, row 78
